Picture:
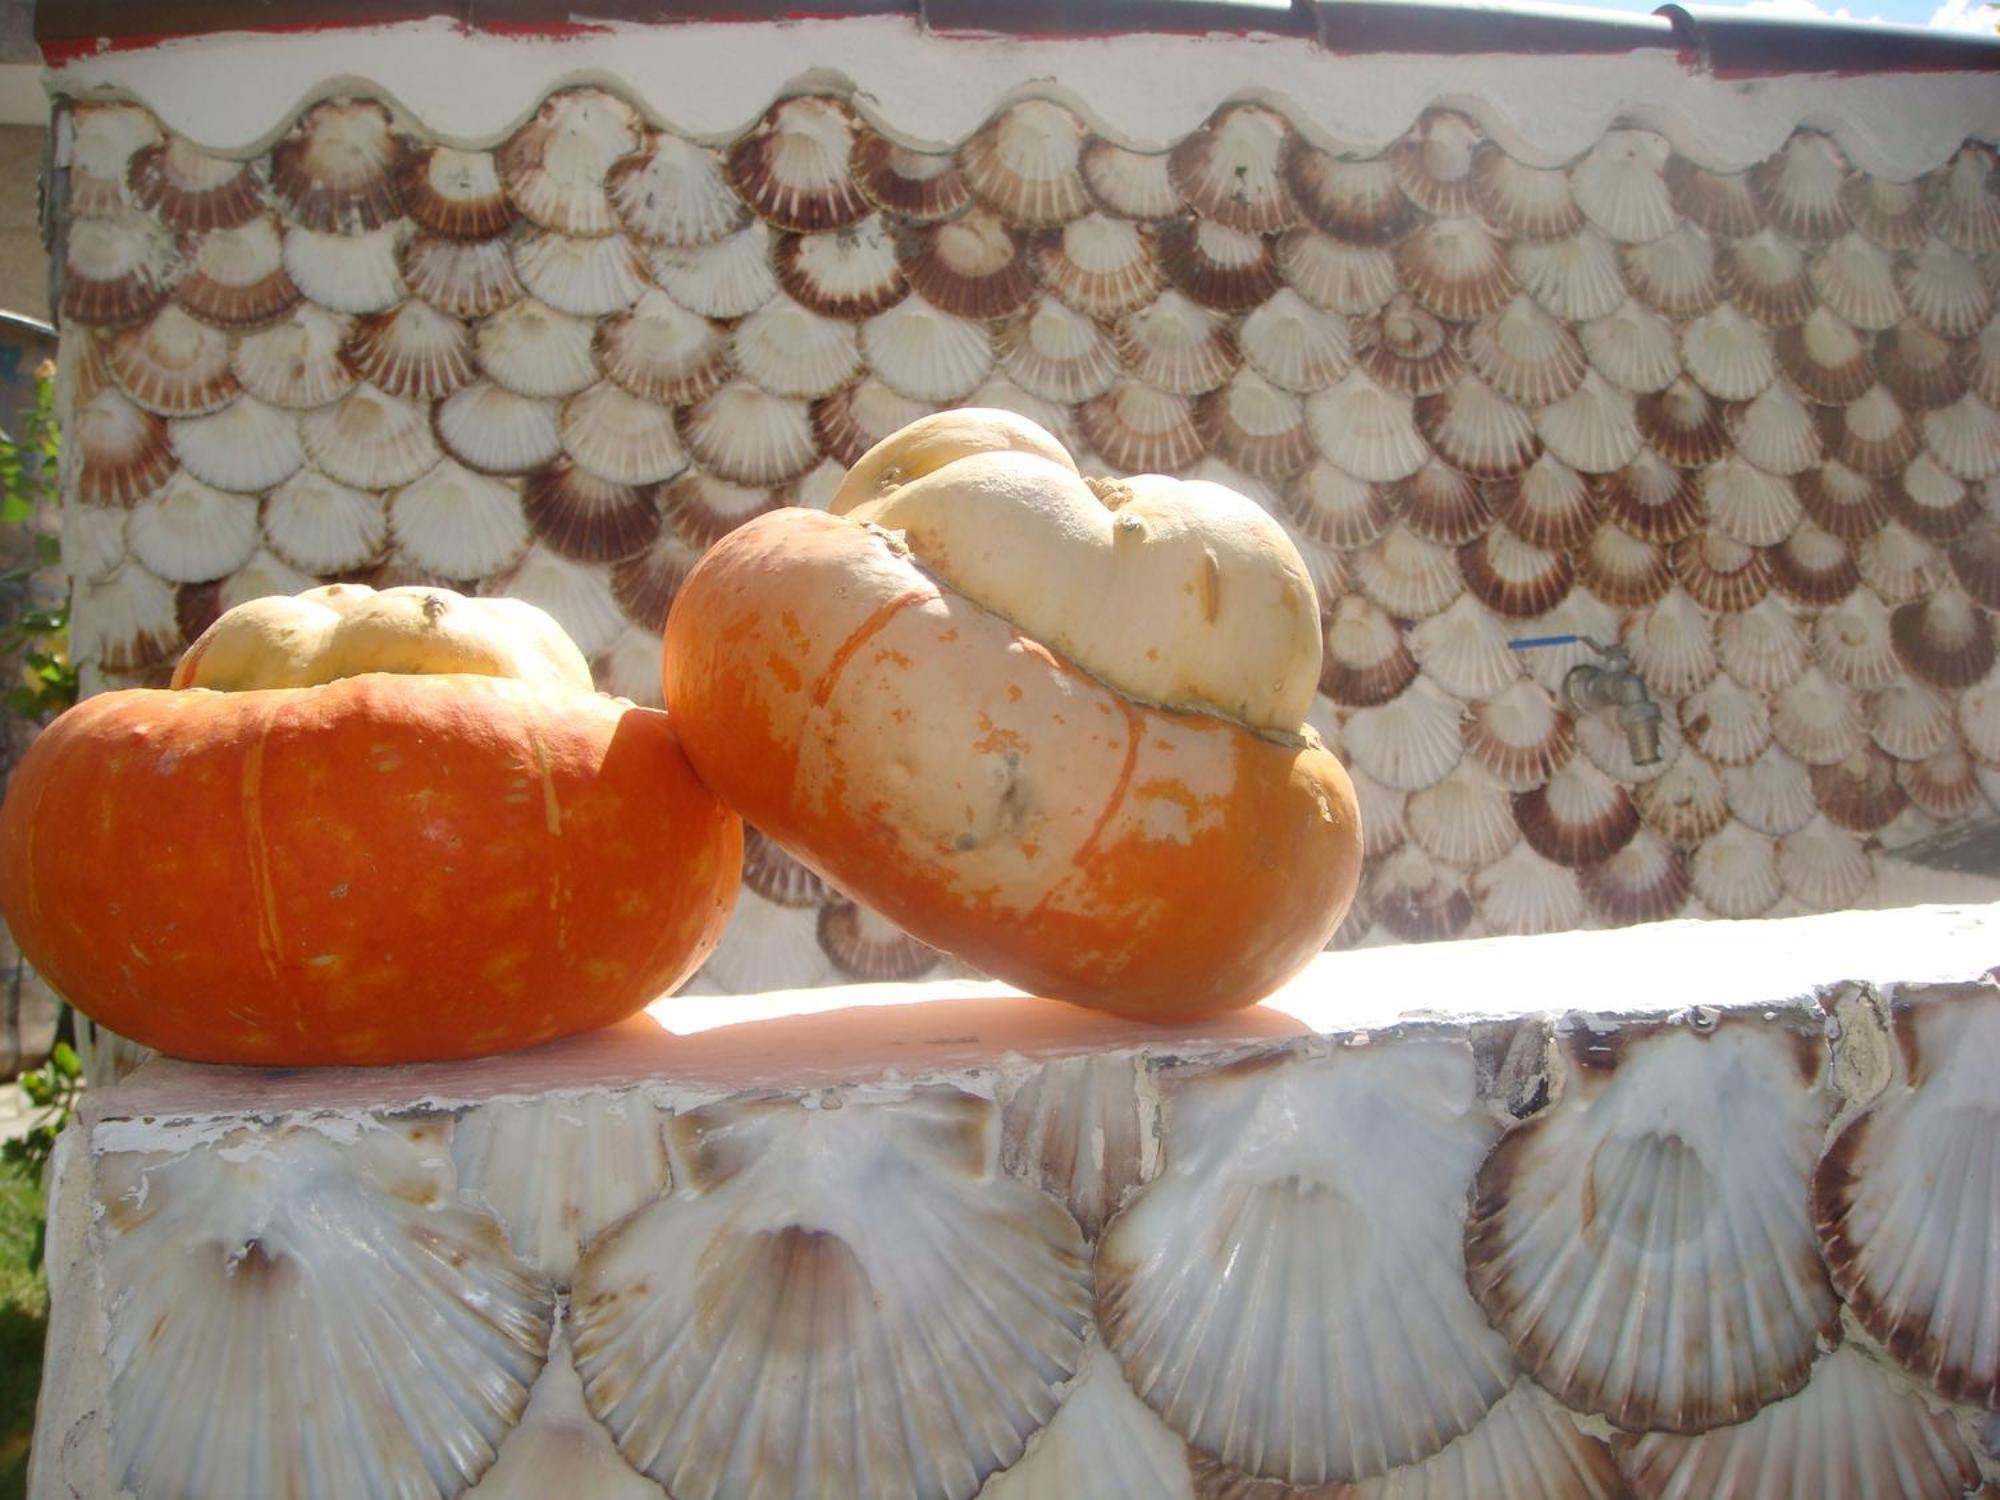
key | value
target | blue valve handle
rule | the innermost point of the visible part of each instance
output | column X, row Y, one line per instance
column 1546, row 640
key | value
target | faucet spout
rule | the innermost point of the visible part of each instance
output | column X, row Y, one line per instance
column 1589, row 688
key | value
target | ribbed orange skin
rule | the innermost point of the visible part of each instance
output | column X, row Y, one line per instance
column 990, row 797
column 385, row 869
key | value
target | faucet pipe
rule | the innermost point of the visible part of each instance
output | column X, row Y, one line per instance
column 1614, row 686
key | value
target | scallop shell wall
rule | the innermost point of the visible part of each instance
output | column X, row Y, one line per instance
column 1747, row 425
column 1504, row 1252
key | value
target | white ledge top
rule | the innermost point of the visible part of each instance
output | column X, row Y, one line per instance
column 708, row 1046
column 235, row 92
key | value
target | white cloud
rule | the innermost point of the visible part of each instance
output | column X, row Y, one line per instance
column 1801, row 8
column 1965, row 15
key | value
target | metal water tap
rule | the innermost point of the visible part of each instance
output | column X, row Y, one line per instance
column 1588, row 687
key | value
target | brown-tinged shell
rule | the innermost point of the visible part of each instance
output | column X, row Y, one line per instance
column 1623, row 570
column 117, row 270
column 1853, row 641
column 1685, row 804
column 453, row 193
column 1411, row 578
column 1549, row 504
column 1975, row 561
column 1813, row 567
column 1477, row 430
column 1672, row 646
column 1356, row 201
column 1025, row 162
column 793, row 167
column 172, row 365
column 674, row 192
column 915, row 184
column 1102, row 267
column 336, row 170
column 1442, row 505
column 1721, row 573
column 1945, row 785
column 1653, row 500
column 1419, row 899
column 1334, row 509
column 1519, row 735
column 1674, row 275
column 663, row 353
column 1842, row 501
column 1352, row 279
column 461, row 278
column 412, row 350
column 1578, row 816
column 1220, row 267
column 1524, row 354
column 870, row 948
column 1861, row 793
column 554, row 167
column 579, row 515
column 1946, row 639
column 645, row 584
column 1620, row 187
column 1646, row 881
column 1721, row 203
column 1256, row 428
column 124, row 452
column 1889, row 213
column 1140, row 429
column 1799, row 188
column 1457, row 268
column 1131, row 184
column 1177, row 345
column 1683, row 425
column 1825, row 358
column 1434, row 162
column 368, row 439
column 1407, row 349
column 1512, row 577
column 1726, row 722
column 1231, row 170
column 703, row 508
column 1366, row 660
column 193, row 191
column 843, row 273
column 1921, row 369
column 1531, row 202
column 973, row 266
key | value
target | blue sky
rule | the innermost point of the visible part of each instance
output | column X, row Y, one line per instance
column 1966, row 15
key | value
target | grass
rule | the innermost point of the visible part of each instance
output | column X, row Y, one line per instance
column 24, row 1321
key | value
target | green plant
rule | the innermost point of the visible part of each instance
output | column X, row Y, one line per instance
column 52, row 1089
column 32, row 633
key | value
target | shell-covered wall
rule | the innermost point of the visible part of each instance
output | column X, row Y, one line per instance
column 1716, row 1253
column 1744, row 424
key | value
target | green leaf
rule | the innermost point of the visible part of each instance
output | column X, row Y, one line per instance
column 65, row 1061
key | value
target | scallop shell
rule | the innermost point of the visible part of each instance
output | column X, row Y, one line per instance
column 1457, row 268
column 323, row 527
column 1773, row 794
column 577, row 594
column 103, row 140
column 1721, row 573
column 461, row 278
column 1653, row 500
column 1407, row 349
column 1964, row 438
column 262, row 576
column 589, row 277
column 1853, row 642
column 1464, row 820
column 1824, row 867
column 1511, row 577
column 913, row 184
column 124, row 621
column 1728, row 355
column 972, row 266
column 1102, row 267
column 674, row 192
column 1672, row 645
column 767, row 947
column 894, row 1315
column 1776, row 432
column 1293, row 344
column 1230, row 171
column 1900, row 566
column 1354, row 280
column 1682, row 424
column 1919, row 368
column 1685, row 804
column 368, row 439
column 92, row 538
column 846, row 273
column 1581, row 615
column 1025, row 163
column 1861, row 793
column 727, row 279
column 1381, row 810
column 1980, row 359
column 1550, row 505
column 412, row 351
column 1334, row 509
column 1465, row 651
column 554, row 167
column 1735, row 873
column 925, row 353
column 1524, row 354
column 850, row 422
column 1944, row 639
column 1674, row 275
column 788, row 350
column 116, row 271
column 1217, row 266
column 1366, row 430
column 1826, row 359
column 336, row 171
column 1593, row 428
column 489, row 428
column 1131, row 184
column 1578, row 816
column 247, row 446
column 1409, row 742
column 662, row 353
column 1747, row 505
column 582, row 516
column 1518, row 735
column 228, row 1251
column 1762, row 647
column 458, row 524
column 348, row 273
column 645, row 584
column 1356, row 201
column 1255, row 427
column 1442, row 505
column 530, row 349
column 619, row 437
column 1726, row 722
column 1607, row 1239
column 1575, row 279
column 1057, row 354
column 1532, row 203
column 1765, row 275
column 703, row 509
column 870, row 948
column 1411, row 578
column 1409, row 895
column 187, row 532
column 1857, row 283
column 1842, row 502
column 235, row 278
column 1979, row 721
column 1944, row 290
column 1523, row 894
column 1476, row 430
column 1250, row 1149
column 558, row 1446
column 1646, row 881
column 454, row 193
column 1908, row 720
column 1815, row 718
column 1141, row 430
column 1622, row 570
column 1799, row 188
column 749, row 437
column 1619, row 187
column 1177, row 345
column 777, row 877
column 1434, row 162
column 1944, row 785
column 1852, row 1433
column 1975, row 561
column 1074, row 1128
column 172, row 365
column 1932, row 503
column 1104, row 1442
column 1961, row 199
column 1633, row 347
